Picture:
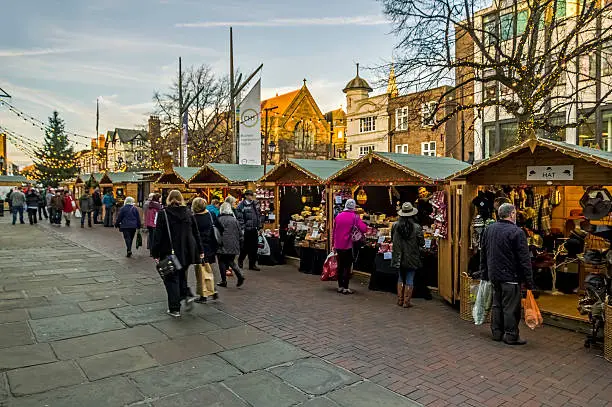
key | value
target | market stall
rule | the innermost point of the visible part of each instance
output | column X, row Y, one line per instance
column 8, row 182
column 563, row 205
column 300, row 211
column 380, row 182
column 176, row 178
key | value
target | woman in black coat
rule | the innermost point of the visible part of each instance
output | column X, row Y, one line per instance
column 231, row 239
column 205, row 220
column 184, row 238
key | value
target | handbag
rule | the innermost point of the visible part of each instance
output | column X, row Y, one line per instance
column 356, row 234
column 216, row 231
column 171, row 263
column 138, row 239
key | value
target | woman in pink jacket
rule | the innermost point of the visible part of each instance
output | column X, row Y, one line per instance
column 150, row 215
column 343, row 243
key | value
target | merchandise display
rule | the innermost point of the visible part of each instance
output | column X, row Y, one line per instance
column 309, row 227
column 265, row 196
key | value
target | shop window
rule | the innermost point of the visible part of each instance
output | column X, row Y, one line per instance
column 428, row 148
column 401, row 148
column 401, row 118
column 367, row 124
column 489, row 141
column 365, row 150
column 428, row 117
column 507, row 135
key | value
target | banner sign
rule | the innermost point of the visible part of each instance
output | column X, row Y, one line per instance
column 249, row 145
column 185, row 139
column 550, row 173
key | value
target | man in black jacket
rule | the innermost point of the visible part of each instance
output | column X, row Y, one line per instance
column 249, row 217
column 506, row 262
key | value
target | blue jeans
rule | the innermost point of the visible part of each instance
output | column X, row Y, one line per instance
column 406, row 276
column 18, row 209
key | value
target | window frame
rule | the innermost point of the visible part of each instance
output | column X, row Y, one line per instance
column 428, row 151
column 366, row 149
column 401, row 149
column 401, row 118
column 367, row 124
column 426, row 109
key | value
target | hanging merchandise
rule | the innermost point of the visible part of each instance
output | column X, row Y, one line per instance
column 478, row 225
column 596, row 203
column 555, row 197
column 362, row 197
column 439, row 214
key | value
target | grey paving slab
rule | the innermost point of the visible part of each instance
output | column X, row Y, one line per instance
column 112, row 392
column 319, row 402
column 105, row 303
column 223, row 320
column 37, row 379
column 186, row 325
column 178, row 377
column 142, row 314
column 67, row 298
column 13, row 316
column 263, row 389
column 114, row 363
column 262, row 355
column 70, row 326
column 314, row 376
column 15, row 333
column 183, row 348
column 368, row 394
column 136, row 298
column 239, row 336
column 11, row 295
column 212, row 395
column 106, row 342
column 54, row 311
column 42, row 292
column 27, row 355
column 4, row 389
column 6, row 305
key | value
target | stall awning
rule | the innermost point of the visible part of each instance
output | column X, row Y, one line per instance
column 13, row 180
column 239, row 173
column 97, row 176
column 542, row 161
column 296, row 171
column 180, row 176
column 378, row 168
column 124, row 177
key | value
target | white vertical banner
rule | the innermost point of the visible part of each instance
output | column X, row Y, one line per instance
column 185, row 136
column 249, row 144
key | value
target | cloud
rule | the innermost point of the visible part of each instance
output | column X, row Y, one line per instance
column 34, row 52
column 291, row 22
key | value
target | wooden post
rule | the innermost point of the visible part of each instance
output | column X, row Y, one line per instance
column 329, row 192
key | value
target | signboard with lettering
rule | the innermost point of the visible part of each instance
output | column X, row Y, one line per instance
column 249, row 145
column 550, row 173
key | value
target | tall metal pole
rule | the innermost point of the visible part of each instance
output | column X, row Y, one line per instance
column 232, row 102
column 266, row 137
column 180, row 89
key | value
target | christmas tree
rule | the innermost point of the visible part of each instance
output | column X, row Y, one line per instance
column 55, row 161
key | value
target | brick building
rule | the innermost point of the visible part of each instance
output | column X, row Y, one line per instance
column 411, row 124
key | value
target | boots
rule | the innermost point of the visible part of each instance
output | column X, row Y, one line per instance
column 400, row 294
column 407, row 296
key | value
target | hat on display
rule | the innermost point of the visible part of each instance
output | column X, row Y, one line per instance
column 603, row 231
column 596, row 203
column 575, row 214
column 407, row 210
column 594, row 257
column 535, row 240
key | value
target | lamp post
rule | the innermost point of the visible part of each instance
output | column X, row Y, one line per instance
column 271, row 146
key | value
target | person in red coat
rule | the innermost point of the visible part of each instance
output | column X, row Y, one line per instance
column 69, row 207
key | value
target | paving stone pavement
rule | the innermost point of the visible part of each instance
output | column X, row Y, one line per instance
column 80, row 325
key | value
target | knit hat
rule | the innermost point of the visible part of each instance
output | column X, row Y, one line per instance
column 350, row 205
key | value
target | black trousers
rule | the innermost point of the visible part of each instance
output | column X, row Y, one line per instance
column 177, row 289
column 345, row 263
column 108, row 217
column 249, row 248
column 42, row 210
column 96, row 214
column 128, row 236
column 32, row 215
column 506, row 311
column 88, row 215
column 225, row 262
column 150, row 238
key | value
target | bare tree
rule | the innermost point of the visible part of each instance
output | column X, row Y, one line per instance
column 545, row 62
column 209, row 137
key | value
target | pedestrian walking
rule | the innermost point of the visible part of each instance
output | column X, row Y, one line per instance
column 505, row 261
column 48, row 201
column 249, row 217
column 230, row 199
column 86, row 204
column 128, row 221
column 97, row 206
column 345, row 222
column 32, row 201
column 109, row 202
column 177, row 232
column 150, row 216
column 213, row 208
column 69, row 207
column 58, row 207
column 231, row 237
column 408, row 240
column 206, row 222
column 18, row 200
column 42, row 204
column 10, row 200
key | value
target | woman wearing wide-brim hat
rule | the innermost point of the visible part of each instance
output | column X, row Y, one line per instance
column 407, row 237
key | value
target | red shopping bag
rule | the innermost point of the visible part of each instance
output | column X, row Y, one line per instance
column 533, row 317
column 330, row 268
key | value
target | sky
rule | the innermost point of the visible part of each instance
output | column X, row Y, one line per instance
column 64, row 54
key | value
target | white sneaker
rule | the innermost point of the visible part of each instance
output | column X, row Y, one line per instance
column 188, row 303
column 173, row 314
